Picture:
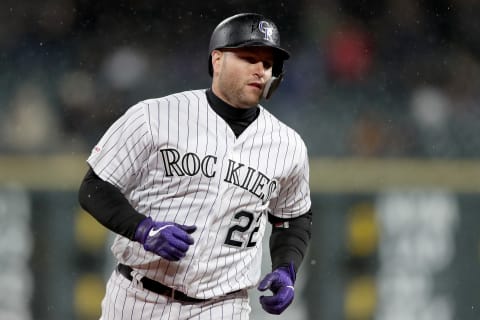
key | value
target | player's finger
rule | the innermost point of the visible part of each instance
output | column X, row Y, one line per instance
column 270, row 300
column 189, row 229
column 178, row 244
column 182, row 236
column 176, row 252
column 283, row 296
column 170, row 255
column 266, row 283
column 269, row 306
column 277, row 303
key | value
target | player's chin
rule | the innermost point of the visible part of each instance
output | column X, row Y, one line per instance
column 253, row 94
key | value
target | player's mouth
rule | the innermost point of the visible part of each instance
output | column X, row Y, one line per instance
column 256, row 85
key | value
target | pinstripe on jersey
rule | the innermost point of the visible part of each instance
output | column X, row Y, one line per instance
column 176, row 160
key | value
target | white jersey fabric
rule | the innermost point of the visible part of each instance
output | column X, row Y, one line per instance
column 176, row 160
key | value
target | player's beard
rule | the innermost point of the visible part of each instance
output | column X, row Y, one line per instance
column 238, row 93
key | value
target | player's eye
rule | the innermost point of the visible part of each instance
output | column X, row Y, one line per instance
column 267, row 64
column 252, row 60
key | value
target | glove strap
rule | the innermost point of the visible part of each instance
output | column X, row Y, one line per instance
column 142, row 230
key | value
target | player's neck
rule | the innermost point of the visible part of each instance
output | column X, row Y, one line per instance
column 237, row 119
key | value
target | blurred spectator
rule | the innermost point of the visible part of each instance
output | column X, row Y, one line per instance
column 77, row 94
column 31, row 123
column 349, row 53
column 430, row 109
column 368, row 136
column 381, row 78
column 125, row 68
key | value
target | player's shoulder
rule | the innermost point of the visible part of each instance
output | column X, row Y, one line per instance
column 280, row 126
column 150, row 108
column 176, row 98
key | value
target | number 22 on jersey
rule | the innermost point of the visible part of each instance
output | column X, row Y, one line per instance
column 243, row 230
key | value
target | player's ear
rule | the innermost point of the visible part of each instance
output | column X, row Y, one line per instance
column 217, row 57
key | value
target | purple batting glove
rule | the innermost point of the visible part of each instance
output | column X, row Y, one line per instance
column 280, row 282
column 167, row 239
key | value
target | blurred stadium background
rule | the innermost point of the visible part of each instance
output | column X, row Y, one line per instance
column 385, row 93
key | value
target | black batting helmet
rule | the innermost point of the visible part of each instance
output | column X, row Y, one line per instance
column 248, row 30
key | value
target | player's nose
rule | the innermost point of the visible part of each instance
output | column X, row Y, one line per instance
column 259, row 68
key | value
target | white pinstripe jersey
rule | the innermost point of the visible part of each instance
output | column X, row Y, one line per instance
column 175, row 159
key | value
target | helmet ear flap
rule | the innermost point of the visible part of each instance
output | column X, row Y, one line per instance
column 275, row 80
column 271, row 85
column 277, row 68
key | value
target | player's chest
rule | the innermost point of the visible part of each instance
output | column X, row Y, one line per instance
column 231, row 162
column 255, row 166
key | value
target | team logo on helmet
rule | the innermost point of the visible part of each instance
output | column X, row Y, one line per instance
column 266, row 29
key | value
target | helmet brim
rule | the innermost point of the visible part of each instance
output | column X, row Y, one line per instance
column 279, row 54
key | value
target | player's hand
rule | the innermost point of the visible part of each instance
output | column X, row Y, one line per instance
column 167, row 239
column 280, row 282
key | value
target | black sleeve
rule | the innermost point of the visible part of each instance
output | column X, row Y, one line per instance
column 108, row 205
column 289, row 239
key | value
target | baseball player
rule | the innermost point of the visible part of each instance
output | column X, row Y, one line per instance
column 189, row 181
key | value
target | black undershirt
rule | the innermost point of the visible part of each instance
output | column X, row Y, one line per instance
column 108, row 205
column 238, row 119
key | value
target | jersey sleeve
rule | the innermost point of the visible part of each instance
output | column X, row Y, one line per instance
column 121, row 153
column 293, row 198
